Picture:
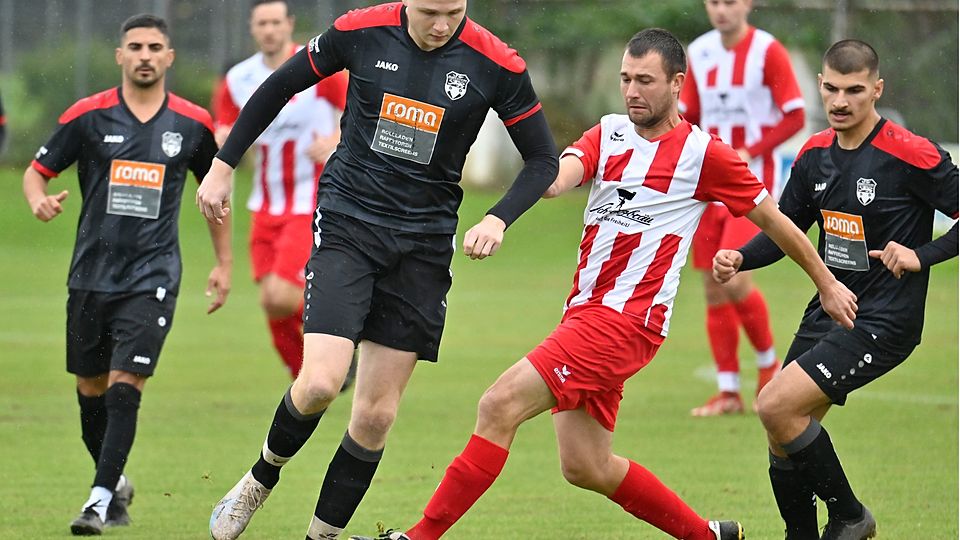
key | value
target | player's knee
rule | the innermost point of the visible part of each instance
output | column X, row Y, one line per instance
column 496, row 408
column 581, row 473
column 374, row 421
column 277, row 306
column 318, row 391
column 770, row 408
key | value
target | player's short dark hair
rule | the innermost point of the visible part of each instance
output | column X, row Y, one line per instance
column 255, row 3
column 663, row 43
column 850, row 56
column 145, row 20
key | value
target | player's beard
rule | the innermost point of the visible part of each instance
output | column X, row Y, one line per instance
column 145, row 82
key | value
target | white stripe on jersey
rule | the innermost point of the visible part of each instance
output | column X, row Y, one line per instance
column 281, row 169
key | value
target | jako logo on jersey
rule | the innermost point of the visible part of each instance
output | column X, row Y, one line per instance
column 866, row 190
column 137, row 173
column 170, row 143
column 456, row 85
column 115, row 139
column 562, row 373
column 409, row 112
column 820, row 186
column 389, row 66
column 843, row 225
column 823, row 369
column 141, row 360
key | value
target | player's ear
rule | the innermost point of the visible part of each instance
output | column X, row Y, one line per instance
column 878, row 89
column 118, row 55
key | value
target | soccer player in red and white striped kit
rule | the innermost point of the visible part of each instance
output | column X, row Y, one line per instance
column 651, row 176
column 741, row 87
column 290, row 156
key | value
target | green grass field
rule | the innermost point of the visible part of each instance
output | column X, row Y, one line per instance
column 204, row 417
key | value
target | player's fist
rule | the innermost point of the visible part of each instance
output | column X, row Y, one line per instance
column 484, row 238
column 897, row 258
column 48, row 207
column 840, row 303
column 213, row 195
column 726, row 263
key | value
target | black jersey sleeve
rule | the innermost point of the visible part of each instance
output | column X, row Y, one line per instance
column 939, row 250
column 515, row 96
column 540, row 165
column 62, row 149
column 203, row 154
column 797, row 205
column 328, row 52
column 294, row 76
column 937, row 186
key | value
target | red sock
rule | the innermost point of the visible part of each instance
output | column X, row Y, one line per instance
column 723, row 331
column 645, row 497
column 288, row 340
column 467, row 478
column 755, row 319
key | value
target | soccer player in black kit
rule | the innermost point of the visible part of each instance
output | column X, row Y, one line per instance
column 872, row 187
column 422, row 78
column 133, row 145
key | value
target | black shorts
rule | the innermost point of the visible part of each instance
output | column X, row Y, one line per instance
column 370, row 282
column 841, row 360
column 116, row 331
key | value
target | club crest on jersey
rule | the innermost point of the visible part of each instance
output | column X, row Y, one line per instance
column 456, row 85
column 170, row 143
column 866, row 190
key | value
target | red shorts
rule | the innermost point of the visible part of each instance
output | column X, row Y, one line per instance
column 587, row 358
column 280, row 245
column 719, row 229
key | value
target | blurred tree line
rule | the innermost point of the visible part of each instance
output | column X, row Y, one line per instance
column 53, row 52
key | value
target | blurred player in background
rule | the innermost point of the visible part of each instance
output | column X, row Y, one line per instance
column 289, row 159
column 134, row 145
column 741, row 87
column 3, row 126
column 872, row 187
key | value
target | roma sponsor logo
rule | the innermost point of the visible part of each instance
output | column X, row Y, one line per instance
column 409, row 112
column 843, row 225
column 137, row 173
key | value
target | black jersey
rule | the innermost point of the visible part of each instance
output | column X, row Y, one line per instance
column 412, row 115
column 885, row 190
column 132, row 176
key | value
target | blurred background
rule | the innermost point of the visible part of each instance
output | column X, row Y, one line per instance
column 53, row 52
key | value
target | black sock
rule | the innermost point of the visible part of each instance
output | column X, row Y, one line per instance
column 122, row 402
column 93, row 423
column 288, row 433
column 795, row 499
column 813, row 454
column 349, row 475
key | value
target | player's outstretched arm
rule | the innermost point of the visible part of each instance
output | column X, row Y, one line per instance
column 44, row 207
column 569, row 177
column 838, row 301
column 218, row 282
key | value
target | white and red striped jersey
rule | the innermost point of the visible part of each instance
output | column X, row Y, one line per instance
column 740, row 94
column 645, row 202
column 285, row 180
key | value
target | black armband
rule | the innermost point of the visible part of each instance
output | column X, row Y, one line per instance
column 760, row 251
column 938, row 250
column 294, row 76
column 533, row 139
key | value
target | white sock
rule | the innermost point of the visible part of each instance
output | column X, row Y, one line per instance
column 99, row 500
column 321, row 530
column 766, row 358
column 728, row 381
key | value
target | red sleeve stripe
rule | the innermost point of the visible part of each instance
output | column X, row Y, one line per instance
column 191, row 110
column 3, row 120
column 314, row 66
column 819, row 140
column 905, row 146
column 484, row 42
column 103, row 100
column 527, row 114
column 43, row 170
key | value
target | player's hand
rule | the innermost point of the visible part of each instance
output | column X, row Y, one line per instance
column 213, row 195
column 484, row 238
column 48, row 207
column 726, row 264
column 897, row 258
column 218, row 283
column 321, row 148
column 840, row 303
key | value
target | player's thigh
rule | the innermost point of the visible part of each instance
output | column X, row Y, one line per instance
column 842, row 361
column 706, row 240
column 409, row 305
column 88, row 337
column 293, row 247
column 341, row 272
column 139, row 325
column 264, row 233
